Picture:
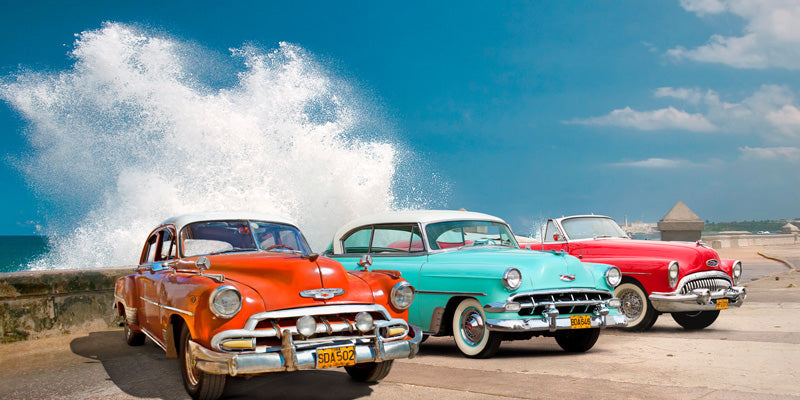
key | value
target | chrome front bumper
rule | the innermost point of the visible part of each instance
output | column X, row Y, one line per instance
column 552, row 324
column 550, row 319
column 697, row 299
column 291, row 357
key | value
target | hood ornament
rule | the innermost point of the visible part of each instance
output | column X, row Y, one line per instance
column 567, row 278
column 322, row 293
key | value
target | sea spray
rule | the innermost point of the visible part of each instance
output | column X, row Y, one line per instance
column 134, row 133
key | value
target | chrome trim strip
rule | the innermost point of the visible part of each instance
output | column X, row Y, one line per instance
column 150, row 301
column 178, row 310
column 637, row 273
column 453, row 293
column 159, row 305
column 154, row 339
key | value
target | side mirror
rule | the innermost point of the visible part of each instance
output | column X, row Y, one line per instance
column 365, row 261
column 555, row 237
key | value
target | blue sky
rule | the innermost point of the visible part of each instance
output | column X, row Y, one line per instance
column 524, row 108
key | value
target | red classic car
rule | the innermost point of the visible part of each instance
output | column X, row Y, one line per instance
column 687, row 280
column 241, row 294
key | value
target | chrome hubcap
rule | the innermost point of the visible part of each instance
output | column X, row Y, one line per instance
column 472, row 326
column 631, row 304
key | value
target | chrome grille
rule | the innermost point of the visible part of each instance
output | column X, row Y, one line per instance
column 535, row 303
column 705, row 283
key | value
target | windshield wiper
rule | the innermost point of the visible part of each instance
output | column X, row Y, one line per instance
column 233, row 250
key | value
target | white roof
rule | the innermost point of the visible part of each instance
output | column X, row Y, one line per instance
column 183, row 220
column 414, row 216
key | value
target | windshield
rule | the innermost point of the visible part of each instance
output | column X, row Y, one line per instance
column 592, row 227
column 444, row 235
column 214, row 237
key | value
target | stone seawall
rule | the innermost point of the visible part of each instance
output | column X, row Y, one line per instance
column 734, row 241
column 35, row 304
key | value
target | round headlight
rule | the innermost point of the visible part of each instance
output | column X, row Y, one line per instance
column 402, row 295
column 225, row 301
column 512, row 278
column 672, row 273
column 613, row 276
column 737, row 271
column 364, row 321
column 306, row 325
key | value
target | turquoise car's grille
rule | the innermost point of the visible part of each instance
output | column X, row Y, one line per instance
column 571, row 302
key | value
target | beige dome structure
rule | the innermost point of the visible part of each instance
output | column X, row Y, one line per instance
column 681, row 224
column 789, row 228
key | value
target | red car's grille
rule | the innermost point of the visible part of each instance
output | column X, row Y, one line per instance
column 705, row 283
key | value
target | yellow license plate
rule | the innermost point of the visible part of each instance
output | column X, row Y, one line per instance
column 722, row 304
column 336, row 357
column 580, row 321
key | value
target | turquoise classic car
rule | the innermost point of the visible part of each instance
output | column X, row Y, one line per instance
column 474, row 282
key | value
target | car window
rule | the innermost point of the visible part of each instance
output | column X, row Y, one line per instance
column 449, row 234
column 358, row 241
column 150, row 249
column 167, row 249
column 209, row 237
column 552, row 234
column 592, row 227
column 396, row 239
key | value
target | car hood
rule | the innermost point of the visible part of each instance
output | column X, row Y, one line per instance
column 540, row 270
column 279, row 278
column 691, row 256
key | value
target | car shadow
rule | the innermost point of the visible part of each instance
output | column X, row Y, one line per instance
column 144, row 371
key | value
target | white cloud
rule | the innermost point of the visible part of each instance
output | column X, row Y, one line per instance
column 770, row 37
column 770, row 112
column 691, row 95
column 667, row 163
column 665, row 118
column 770, row 153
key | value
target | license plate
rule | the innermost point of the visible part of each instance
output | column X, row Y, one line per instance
column 722, row 304
column 336, row 357
column 580, row 321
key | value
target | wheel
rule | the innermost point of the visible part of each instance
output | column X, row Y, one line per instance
column 424, row 338
column 636, row 307
column 578, row 340
column 695, row 320
column 472, row 337
column 200, row 385
column 369, row 372
column 132, row 337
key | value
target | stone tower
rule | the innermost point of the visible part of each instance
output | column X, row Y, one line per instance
column 681, row 224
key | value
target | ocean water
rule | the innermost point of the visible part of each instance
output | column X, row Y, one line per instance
column 145, row 126
column 16, row 252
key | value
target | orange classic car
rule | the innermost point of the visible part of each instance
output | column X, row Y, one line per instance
column 239, row 294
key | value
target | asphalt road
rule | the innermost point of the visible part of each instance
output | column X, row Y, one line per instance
column 749, row 352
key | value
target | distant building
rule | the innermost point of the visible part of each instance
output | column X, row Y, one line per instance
column 681, row 224
column 789, row 228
